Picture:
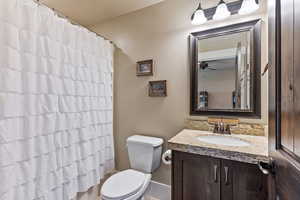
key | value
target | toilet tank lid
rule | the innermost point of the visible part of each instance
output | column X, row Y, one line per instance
column 154, row 141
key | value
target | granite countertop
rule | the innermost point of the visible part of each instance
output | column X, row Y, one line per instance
column 186, row 141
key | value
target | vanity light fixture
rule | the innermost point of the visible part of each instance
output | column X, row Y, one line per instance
column 198, row 16
column 222, row 11
column 248, row 7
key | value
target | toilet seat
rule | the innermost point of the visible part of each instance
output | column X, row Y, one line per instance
column 125, row 185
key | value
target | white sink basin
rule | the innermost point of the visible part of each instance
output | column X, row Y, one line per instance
column 223, row 140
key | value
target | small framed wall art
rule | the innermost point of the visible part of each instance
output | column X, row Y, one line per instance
column 158, row 88
column 144, row 68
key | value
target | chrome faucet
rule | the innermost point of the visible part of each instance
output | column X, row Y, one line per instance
column 221, row 128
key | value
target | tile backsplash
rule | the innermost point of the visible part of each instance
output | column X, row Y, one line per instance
column 239, row 128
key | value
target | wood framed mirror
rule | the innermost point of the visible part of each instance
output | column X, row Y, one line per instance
column 226, row 71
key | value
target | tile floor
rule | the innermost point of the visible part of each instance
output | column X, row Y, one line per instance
column 158, row 191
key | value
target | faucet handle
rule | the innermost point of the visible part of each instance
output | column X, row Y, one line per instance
column 227, row 129
column 216, row 128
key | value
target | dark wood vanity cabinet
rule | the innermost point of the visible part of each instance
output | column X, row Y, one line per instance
column 196, row 177
column 245, row 181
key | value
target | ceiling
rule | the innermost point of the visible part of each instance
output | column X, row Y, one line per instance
column 91, row 12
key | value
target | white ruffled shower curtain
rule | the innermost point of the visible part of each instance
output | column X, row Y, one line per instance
column 55, row 104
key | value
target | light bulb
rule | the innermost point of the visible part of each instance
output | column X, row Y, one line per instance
column 222, row 11
column 199, row 17
column 248, row 6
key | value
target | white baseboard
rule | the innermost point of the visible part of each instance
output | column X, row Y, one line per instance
column 158, row 191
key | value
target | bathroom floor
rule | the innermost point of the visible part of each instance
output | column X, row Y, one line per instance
column 151, row 198
column 158, row 191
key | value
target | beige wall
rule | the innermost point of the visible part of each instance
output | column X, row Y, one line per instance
column 161, row 33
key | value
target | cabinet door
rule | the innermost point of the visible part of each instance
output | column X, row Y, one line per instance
column 196, row 177
column 296, row 72
column 284, row 134
column 287, row 74
column 242, row 181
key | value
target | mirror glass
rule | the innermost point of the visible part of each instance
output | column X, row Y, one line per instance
column 223, row 72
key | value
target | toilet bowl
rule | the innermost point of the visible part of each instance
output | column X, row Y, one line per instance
column 131, row 184
column 126, row 185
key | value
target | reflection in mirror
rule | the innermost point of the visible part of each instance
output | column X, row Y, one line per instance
column 223, row 72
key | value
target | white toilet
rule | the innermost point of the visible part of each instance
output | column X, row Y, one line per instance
column 144, row 155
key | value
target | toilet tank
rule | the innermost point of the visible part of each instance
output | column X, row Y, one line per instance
column 144, row 152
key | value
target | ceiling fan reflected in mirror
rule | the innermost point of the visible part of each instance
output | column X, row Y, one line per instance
column 204, row 65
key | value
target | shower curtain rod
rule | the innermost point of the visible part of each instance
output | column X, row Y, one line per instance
column 59, row 14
